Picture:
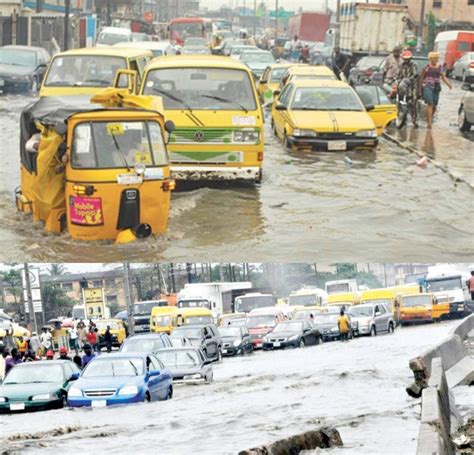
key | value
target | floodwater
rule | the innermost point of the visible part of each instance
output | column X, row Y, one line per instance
column 367, row 206
column 357, row 387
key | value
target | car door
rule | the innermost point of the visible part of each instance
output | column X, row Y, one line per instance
column 210, row 343
column 247, row 341
column 382, row 110
column 280, row 117
column 156, row 384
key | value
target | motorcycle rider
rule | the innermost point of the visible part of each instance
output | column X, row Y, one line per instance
column 408, row 76
column 390, row 71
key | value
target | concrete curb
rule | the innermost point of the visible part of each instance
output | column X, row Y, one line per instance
column 456, row 177
column 324, row 439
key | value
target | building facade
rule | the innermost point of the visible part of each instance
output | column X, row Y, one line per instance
column 450, row 12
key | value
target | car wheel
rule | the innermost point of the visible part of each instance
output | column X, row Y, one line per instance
column 391, row 329
column 219, row 355
column 463, row 123
column 147, row 397
column 373, row 331
column 170, row 393
column 302, row 343
column 464, row 78
column 286, row 143
column 209, row 378
column 64, row 402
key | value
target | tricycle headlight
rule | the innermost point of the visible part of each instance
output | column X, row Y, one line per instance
column 237, row 342
column 74, row 392
column 128, row 390
column 304, row 133
column 366, row 133
column 192, row 376
column 42, row 397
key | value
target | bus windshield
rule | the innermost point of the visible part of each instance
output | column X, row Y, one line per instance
column 246, row 304
column 180, row 31
column 337, row 287
column 306, row 300
column 416, row 300
column 448, row 284
column 215, row 89
column 194, row 303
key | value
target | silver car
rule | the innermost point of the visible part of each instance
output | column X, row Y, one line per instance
column 463, row 69
column 466, row 108
column 372, row 319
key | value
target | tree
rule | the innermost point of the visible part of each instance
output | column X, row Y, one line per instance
column 57, row 269
column 55, row 301
column 13, row 284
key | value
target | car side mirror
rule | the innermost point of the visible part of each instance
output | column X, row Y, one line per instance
column 208, row 337
column 369, row 107
column 263, row 81
column 74, row 376
column 280, row 107
column 154, row 373
column 206, row 362
column 276, row 92
column 169, row 126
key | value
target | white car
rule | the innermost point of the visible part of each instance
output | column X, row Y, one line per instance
column 466, row 108
column 371, row 319
column 109, row 36
column 463, row 69
column 158, row 48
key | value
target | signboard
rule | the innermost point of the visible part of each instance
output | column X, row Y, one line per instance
column 94, row 304
column 35, row 285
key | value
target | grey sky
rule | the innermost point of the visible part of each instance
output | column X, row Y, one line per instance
column 309, row 5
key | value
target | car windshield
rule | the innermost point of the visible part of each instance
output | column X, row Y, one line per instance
column 361, row 311
column 230, row 332
column 112, row 38
column 163, row 321
column 194, row 304
column 34, row 373
column 102, row 325
column 327, row 318
column 102, row 145
column 303, row 300
column 180, row 358
column 304, row 314
column 246, row 304
column 187, row 332
column 326, row 99
column 101, row 368
column 145, row 307
column 199, row 319
column 202, row 88
column 140, row 37
column 18, row 57
column 84, row 71
column 449, row 284
column 277, row 74
column 369, row 62
column 293, row 326
column 257, row 57
column 142, row 345
column 416, row 300
column 263, row 320
column 195, row 42
column 237, row 50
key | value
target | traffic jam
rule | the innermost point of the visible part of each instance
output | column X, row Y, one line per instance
column 93, row 359
column 120, row 125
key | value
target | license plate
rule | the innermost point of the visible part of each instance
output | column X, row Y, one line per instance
column 276, row 344
column 99, row 403
column 337, row 145
column 129, row 179
column 17, row 406
column 224, row 351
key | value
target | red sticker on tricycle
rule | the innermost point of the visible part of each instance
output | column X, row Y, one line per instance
column 86, row 211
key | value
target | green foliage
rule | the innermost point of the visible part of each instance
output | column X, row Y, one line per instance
column 55, row 301
column 12, row 281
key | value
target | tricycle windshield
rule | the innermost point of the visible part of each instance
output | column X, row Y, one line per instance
column 102, row 145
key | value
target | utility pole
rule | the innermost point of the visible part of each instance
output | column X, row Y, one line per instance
column 419, row 42
column 276, row 20
column 128, row 297
column 66, row 25
column 31, row 310
column 254, row 18
column 337, row 40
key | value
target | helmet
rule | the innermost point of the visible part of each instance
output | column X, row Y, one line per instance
column 62, row 350
column 407, row 55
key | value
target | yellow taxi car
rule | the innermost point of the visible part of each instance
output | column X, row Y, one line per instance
column 89, row 70
column 270, row 80
column 383, row 111
column 322, row 115
column 297, row 72
column 117, row 329
column 214, row 105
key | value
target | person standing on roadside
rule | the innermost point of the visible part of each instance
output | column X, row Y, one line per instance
column 92, row 338
column 430, row 85
column 470, row 284
column 46, row 340
column 344, row 325
column 340, row 63
column 108, row 339
column 74, row 340
column 34, row 342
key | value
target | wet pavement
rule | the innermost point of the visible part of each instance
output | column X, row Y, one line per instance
column 356, row 386
column 361, row 205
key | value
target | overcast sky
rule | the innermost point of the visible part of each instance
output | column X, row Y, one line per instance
column 309, row 5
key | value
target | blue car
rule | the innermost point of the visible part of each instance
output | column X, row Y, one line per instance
column 121, row 378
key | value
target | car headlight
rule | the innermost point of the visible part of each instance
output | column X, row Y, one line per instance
column 249, row 135
column 3, row 399
column 193, row 376
column 237, row 342
column 334, row 330
column 21, row 78
column 304, row 133
column 43, row 397
column 74, row 392
column 366, row 133
column 128, row 390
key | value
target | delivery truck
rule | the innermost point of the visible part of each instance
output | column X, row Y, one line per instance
column 372, row 28
column 309, row 26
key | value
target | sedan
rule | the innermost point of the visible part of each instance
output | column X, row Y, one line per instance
column 235, row 340
column 291, row 334
column 463, row 69
column 196, row 46
column 121, row 378
column 149, row 343
column 362, row 72
column 187, row 364
column 22, row 68
column 327, row 325
column 257, row 61
column 466, row 109
column 37, row 385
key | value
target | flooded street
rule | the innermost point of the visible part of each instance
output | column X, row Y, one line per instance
column 358, row 387
column 364, row 205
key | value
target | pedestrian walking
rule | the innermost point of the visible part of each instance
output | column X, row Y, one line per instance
column 295, row 48
column 340, row 63
column 470, row 284
column 63, row 354
column 22, row 346
column 92, row 338
column 46, row 340
column 409, row 74
column 13, row 359
column 34, row 342
column 82, row 332
column 74, row 342
column 344, row 325
column 108, row 339
column 88, row 355
column 430, row 85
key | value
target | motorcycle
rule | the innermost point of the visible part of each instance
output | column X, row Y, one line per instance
column 404, row 97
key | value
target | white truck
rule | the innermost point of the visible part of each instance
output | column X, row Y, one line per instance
column 212, row 292
column 446, row 280
column 338, row 286
column 372, row 28
column 308, row 296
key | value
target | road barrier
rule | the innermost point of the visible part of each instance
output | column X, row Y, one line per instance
column 324, row 439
